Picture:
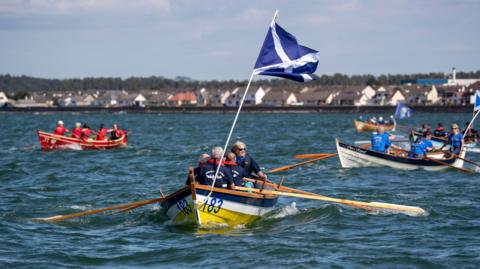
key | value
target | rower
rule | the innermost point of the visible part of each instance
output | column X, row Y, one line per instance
column 381, row 140
column 208, row 171
column 204, row 157
column 60, row 129
column 422, row 146
column 238, row 172
column 246, row 161
column 86, row 131
column 455, row 140
column 116, row 132
column 440, row 130
column 77, row 131
column 102, row 133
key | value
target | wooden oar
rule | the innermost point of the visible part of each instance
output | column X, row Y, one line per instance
column 447, row 164
column 442, row 163
column 283, row 168
column 463, row 159
column 370, row 206
column 312, row 155
column 100, row 210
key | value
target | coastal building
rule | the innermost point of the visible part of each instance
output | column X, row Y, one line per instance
column 3, row 99
column 182, row 99
column 279, row 98
column 366, row 96
column 29, row 101
column 397, row 96
column 316, row 97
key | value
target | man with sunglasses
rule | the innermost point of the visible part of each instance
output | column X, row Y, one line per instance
column 246, row 161
column 455, row 140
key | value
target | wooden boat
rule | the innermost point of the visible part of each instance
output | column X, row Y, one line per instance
column 355, row 156
column 50, row 141
column 224, row 207
column 362, row 126
column 438, row 142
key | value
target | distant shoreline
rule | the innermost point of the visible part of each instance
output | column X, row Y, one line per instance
column 246, row 109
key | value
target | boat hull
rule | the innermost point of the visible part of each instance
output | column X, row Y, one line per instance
column 352, row 156
column 362, row 126
column 223, row 207
column 50, row 141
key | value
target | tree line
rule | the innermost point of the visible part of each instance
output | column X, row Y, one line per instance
column 24, row 83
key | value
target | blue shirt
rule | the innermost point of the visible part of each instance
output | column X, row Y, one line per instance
column 420, row 148
column 380, row 142
column 455, row 140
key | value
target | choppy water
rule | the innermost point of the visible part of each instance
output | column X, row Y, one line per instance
column 300, row 233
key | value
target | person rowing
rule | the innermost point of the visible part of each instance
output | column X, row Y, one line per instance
column 246, row 161
column 77, row 131
column 102, row 133
column 86, row 132
column 440, row 130
column 116, row 132
column 60, row 129
column 455, row 140
column 202, row 160
column 423, row 145
column 238, row 172
column 381, row 140
column 208, row 171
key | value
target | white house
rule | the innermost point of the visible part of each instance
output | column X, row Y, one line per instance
column 397, row 97
column 140, row 100
column 3, row 99
column 432, row 95
column 366, row 97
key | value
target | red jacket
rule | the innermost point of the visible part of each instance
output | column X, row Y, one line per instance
column 60, row 130
column 77, row 133
column 101, row 134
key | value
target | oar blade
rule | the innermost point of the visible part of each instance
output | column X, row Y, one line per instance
column 129, row 207
column 395, row 208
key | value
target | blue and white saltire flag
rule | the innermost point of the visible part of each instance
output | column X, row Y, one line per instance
column 476, row 106
column 282, row 56
column 402, row 111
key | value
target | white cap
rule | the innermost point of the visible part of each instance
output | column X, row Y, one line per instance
column 60, row 122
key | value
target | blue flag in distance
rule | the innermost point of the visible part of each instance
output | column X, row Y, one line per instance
column 403, row 111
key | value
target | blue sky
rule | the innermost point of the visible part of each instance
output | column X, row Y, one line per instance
column 220, row 39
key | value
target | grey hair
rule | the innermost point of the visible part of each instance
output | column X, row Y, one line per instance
column 217, row 152
column 204, row 158
column 239, row 144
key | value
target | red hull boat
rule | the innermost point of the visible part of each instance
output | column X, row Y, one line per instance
column 50, row 141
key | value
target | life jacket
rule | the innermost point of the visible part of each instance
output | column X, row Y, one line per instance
column 224, row 162
column 77, row 133
column 116, row 134
column 60, row 130
column 85, row 133
column 439, row 131
column 101, row 134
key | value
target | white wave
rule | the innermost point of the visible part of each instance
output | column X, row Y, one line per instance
column 289, row 210
column 476, row 150
column 73, row 147
column 79, row 207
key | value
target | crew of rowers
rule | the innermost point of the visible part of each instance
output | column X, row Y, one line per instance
column 374, row 120
column 381, row 141
column 471, row 135
column 236, row 165
column 85, row 132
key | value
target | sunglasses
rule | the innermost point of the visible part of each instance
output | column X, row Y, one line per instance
column 241, row 149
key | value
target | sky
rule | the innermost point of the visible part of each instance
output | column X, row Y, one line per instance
column 221, row 39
